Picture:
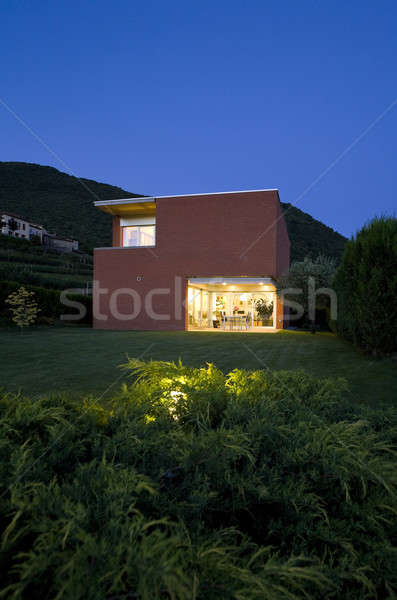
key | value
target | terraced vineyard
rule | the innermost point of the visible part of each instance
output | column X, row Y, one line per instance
column 43, row 271
column 24, row 262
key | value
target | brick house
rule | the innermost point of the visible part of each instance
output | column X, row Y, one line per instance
column 194, row 261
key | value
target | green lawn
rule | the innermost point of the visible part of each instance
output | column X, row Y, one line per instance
column 86, row 361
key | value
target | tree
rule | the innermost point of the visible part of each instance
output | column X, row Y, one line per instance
column 307, row 287
column 23, row 307
column 366, row 284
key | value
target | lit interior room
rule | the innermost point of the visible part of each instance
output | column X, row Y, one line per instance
column 231, row 303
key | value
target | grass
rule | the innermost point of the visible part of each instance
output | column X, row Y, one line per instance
column 81, row 360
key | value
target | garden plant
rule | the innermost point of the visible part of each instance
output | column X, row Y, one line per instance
column 300, row 282
column 23, row 307
column 366, row 283
column 194, row 484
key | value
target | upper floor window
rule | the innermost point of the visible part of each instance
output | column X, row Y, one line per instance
column 139, row 235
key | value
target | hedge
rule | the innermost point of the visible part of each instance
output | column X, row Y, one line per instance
column 48, row 301
column 366, row 284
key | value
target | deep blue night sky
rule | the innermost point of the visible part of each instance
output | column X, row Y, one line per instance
column 174, row 97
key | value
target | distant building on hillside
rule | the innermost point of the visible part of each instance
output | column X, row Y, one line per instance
column 19, row 227
column 58, row 243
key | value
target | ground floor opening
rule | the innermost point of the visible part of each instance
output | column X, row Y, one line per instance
column 231, row 304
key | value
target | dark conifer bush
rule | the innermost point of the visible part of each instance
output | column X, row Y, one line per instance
column 193, row 484
column 366, row 283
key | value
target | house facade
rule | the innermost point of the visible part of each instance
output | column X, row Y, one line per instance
column 16, row 226
column 201, row 261
column 61, row 244
column 19, row 227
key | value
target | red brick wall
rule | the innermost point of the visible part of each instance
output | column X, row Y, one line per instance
column 202, row 236
column 116, row 231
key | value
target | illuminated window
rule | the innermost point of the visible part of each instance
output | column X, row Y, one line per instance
column 139, row 235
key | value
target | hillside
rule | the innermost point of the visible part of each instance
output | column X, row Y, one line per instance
column 25, row 262
column 310, row 237
column 64, row 204
column 60, row 202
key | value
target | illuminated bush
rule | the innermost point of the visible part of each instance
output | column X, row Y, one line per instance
column 195, row 484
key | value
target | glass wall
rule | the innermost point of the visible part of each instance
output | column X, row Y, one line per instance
column 200, row 310
column 206, row 307
column 260, row 319
column 248, row 305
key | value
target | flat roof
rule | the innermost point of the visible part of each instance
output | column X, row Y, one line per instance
column 153, row 198
column 123, row 201
column 127, row 206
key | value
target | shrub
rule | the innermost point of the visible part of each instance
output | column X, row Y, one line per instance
column 299, row 284
column 366, row 284
column 23, row 307
column 191, row 483
column 47, row 300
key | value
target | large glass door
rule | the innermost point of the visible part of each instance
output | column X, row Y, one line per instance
column 207, row 308
column 246, row 304
column 260, row 317
column 199, row 308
